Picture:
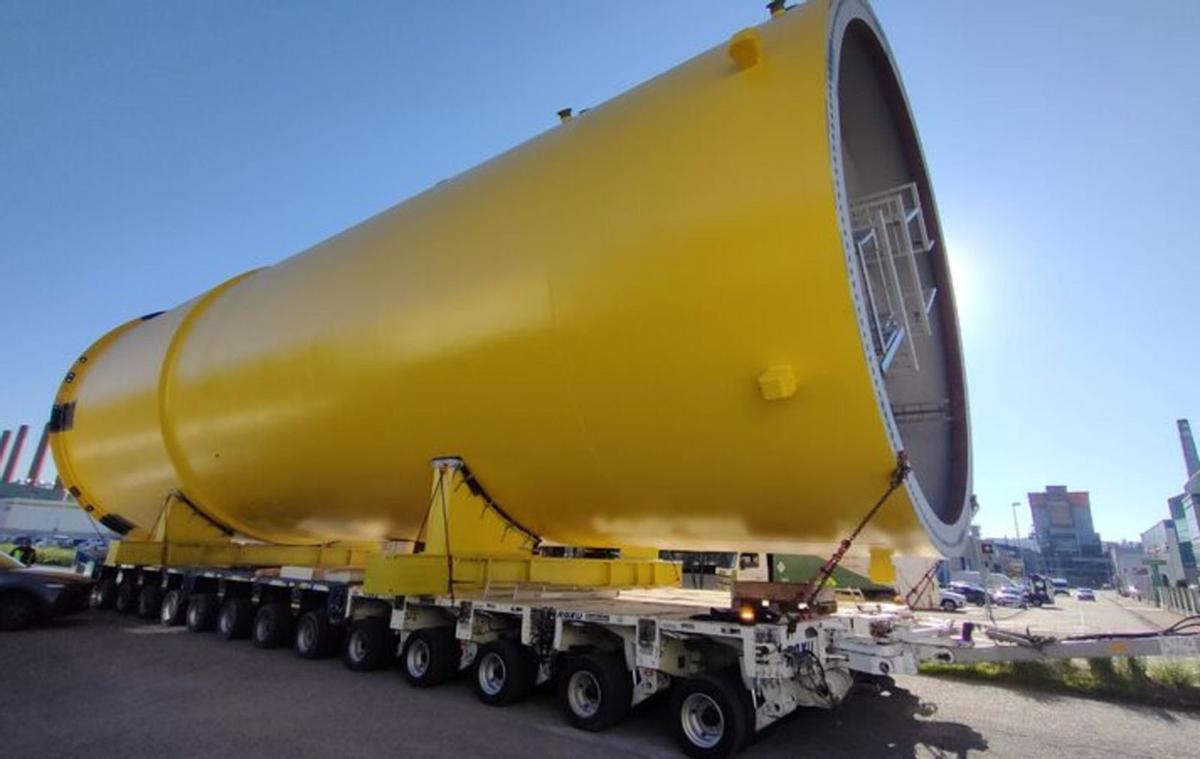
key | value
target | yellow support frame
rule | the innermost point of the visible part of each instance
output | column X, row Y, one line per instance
column 468, row 544
column 425, row 575
column 184, row 537
column 229, row 554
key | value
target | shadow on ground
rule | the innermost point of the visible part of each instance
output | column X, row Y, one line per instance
column 889, row 723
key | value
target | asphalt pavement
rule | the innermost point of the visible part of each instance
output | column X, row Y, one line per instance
column 104, row 685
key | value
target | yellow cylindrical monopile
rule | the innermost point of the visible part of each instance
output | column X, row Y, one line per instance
column 706, row 314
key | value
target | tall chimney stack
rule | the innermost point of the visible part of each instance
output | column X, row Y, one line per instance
column 4, row 442
column 1189, row 448
column 39, row 456
column 18, row 444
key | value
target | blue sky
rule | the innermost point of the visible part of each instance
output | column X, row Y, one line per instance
column 149, row 150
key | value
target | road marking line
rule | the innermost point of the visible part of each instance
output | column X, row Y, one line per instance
column 156, row 630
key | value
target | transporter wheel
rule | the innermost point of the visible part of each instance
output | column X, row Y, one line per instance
column 125, row 601
column 173, row 609
column 273, row 626
column 711, row 715
column 235, row 619
column 17, row 611
column 104, row 594
column 429, row 656
column 595, row 690
column 504, row 672
column 316, row 638
column 948, row 605
column 148, row 602
column 369, row 645
column 202, row 612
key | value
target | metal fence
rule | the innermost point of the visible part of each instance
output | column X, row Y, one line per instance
column 1181, row 600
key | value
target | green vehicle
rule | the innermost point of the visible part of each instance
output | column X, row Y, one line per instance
column 788, row 567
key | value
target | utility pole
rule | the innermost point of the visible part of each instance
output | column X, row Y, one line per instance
column 987, row 551
column 1017, row 529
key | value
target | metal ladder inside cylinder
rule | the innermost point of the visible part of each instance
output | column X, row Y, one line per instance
column 889, row 237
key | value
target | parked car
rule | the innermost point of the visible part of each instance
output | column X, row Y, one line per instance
column 1085, row 594
column 950, row 600
column 1010, row 596
column 974, row 593
column 29, row 595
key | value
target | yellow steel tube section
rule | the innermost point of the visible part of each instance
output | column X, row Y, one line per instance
column 190, row 484
column 63, row 417
column 647, row 326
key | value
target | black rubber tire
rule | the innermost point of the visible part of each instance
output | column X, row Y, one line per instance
column 732, row 702
column 948, row 605
column 125, row 601
column 202, row 612
column 316, row 638
column 273, row 625
column 370, row 645
column 173, row 609
column 429, row 657
column 505, row 672
column 17, row 611
column 149, row 601
column 235, row 619
column 601, row 676
column 104, row 594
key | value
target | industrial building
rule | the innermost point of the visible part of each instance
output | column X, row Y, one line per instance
column 31, row 507
column 1161, row 546
column 1129, row 567
column 1185, row 506
column 42, row 517
column 969, row 560
column 1187, row 552
column 1068, row 544
column 1169, row 545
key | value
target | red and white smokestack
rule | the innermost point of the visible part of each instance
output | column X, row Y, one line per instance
column 39, row 456
column 4, row 442
column 18, row 444
column 1190, row 459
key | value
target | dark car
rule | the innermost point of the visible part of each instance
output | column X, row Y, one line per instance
column 975, row 594
column 29, row 595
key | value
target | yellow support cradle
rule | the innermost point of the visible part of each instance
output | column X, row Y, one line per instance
column 469, row 544
column 472, row 544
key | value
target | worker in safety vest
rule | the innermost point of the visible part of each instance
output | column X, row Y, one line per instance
column 24, row 552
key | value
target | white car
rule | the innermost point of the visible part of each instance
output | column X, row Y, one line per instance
column 950, row 600
column 1009, row 597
